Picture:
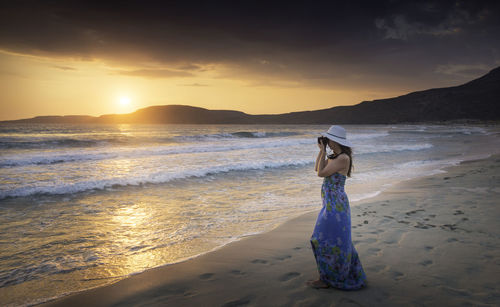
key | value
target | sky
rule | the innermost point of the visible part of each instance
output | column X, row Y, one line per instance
column 259, row 57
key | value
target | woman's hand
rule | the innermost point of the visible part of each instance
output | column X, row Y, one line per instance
column 321, row 155
column 322, row 147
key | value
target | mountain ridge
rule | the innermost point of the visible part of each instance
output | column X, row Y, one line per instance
column 478, row 99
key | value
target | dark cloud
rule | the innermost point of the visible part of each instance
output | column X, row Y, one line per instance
column 373, row 43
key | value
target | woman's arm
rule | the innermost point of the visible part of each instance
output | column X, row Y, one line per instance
column 321, row 162
column 333, row 166
column 321, row 156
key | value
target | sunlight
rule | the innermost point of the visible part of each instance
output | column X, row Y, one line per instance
column 124, row 101
column 124, row 104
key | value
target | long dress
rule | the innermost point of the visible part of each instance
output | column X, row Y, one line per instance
column 338, row 262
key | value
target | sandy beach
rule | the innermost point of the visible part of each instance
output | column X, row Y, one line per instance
column 432, row 241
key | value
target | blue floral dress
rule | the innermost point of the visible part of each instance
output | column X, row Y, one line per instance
column 338, row 263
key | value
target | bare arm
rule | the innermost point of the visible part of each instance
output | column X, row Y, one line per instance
column 320, row 157
column 335, row 165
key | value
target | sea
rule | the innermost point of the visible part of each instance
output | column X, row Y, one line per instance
column 82, row 206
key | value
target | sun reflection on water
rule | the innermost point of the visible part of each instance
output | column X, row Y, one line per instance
column 132, row 235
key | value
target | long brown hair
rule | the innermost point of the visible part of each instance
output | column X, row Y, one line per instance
column 348, row 151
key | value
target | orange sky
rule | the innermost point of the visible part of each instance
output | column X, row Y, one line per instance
column 36, row 85
column 85, row 58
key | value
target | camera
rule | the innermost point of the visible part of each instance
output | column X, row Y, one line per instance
column 322, row 140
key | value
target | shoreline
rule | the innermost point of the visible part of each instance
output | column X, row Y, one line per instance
column 271, row 268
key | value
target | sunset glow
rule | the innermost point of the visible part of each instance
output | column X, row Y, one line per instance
column 124, row 101
column 314, row 63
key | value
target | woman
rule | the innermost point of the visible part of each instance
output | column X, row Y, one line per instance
column 337, row 260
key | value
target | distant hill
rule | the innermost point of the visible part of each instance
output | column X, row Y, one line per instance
column 478, row 99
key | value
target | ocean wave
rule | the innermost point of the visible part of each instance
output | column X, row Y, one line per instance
column 55, row 157
column 363, row 136
column 232, row 135
column 61, row 142
column 59, row 265
column 440, row 131
column 152, row 178
column 46, row 143
column 370, row 149
column 50, row 142
column 407, row 170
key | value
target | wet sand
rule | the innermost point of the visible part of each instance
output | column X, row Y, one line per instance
column 427, row 242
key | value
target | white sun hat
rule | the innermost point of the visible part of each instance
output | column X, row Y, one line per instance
column 337, row 134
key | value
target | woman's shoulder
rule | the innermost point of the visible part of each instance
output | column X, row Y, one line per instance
column 341, row 156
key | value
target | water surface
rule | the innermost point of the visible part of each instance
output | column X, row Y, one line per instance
column 86, row 205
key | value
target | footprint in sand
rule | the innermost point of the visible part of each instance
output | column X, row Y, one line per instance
column 397, row 275
column 373, row 250
column 377, row 268
column 189, row 293
column 237, row 272
column 283, row 257
column 288, row 276
column 426, row 262
column 428, row 248
column 423, row 226
column 414, row 211
column 297, row 248
column 206, row 276
column 369, row 240
column 261, row 261
column 451, row 227
column 240, row 302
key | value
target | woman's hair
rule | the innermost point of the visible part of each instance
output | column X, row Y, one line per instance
column 348, row 151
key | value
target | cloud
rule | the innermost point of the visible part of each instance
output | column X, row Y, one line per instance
column 191, row 67
column 428, row 18
column 326, row 44
column 154, row 73
column 63, row 67
column 194, row 84
column 463, row 70
column 399, row 28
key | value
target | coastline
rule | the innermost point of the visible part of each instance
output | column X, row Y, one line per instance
column 430, row 240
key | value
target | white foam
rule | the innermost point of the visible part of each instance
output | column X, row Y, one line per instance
column 358, row 197
column 369, row 149
column 55, row 186
column 405, row 171
column 62, row 156
column 364, row 136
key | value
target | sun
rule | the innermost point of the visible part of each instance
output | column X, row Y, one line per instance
column 123, row 104
column 124, row 101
